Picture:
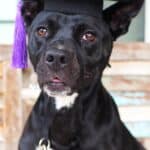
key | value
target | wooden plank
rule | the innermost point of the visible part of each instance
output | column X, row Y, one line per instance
column 31, row 93
column 5, row 47
column 136, row 128
column 146, row 143
column 2, row 145
column 1, row 118
column 5, row 52
column 1, row 79
column 29, row 97
column 131, row 51
column 12, row 103
column 135, row 113
column 27, row 107
column 131, row 98
column 1, row 87
column 127, row 83
column 1, row 123
column 1, row 69
column 128, row 68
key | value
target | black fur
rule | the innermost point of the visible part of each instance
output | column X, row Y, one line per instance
column 93, row 122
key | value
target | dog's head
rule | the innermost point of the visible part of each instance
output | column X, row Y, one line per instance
column 70, row 51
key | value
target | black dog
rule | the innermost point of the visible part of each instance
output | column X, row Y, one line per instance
column 69, row 53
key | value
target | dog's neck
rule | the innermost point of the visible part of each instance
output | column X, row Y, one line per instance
column 62, row 101
column 69, row 113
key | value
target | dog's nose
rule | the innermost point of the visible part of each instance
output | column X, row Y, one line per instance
column 56, row 58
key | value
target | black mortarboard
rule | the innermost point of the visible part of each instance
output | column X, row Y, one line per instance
column 88, row 7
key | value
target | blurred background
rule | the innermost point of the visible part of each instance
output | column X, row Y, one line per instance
column 128, row 80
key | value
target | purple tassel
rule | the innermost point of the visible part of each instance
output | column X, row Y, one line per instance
column 19, row 56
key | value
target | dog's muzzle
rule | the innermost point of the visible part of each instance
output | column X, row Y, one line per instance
column 57, row 59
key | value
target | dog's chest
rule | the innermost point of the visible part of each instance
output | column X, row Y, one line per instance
column 64, row 124
column 64, row 101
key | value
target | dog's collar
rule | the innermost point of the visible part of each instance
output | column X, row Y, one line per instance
column 85, row 7
column 56, row 145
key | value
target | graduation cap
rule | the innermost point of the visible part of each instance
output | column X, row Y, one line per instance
column 88, row 7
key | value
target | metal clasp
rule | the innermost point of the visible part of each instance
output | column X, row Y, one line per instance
column 44, row 144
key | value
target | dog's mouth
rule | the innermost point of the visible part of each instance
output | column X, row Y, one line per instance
column 56, row 86
column 62, row 84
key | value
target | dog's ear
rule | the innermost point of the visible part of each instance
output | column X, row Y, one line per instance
column 30, row 8
column 119, row 16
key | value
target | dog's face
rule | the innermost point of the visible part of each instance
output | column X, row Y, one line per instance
column 69, row 52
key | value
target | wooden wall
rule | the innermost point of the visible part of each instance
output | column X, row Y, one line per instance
column 10, row 102
column 128, row 80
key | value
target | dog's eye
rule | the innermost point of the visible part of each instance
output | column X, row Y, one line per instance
column 89, row 37
column 42, row 32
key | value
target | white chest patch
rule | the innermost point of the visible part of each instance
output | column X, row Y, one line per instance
column 65, row 100
column 62, row 99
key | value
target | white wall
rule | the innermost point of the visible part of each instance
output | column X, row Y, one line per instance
column 7, row 16
column 8, row 9
column 6, row 33
column 147, row 21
